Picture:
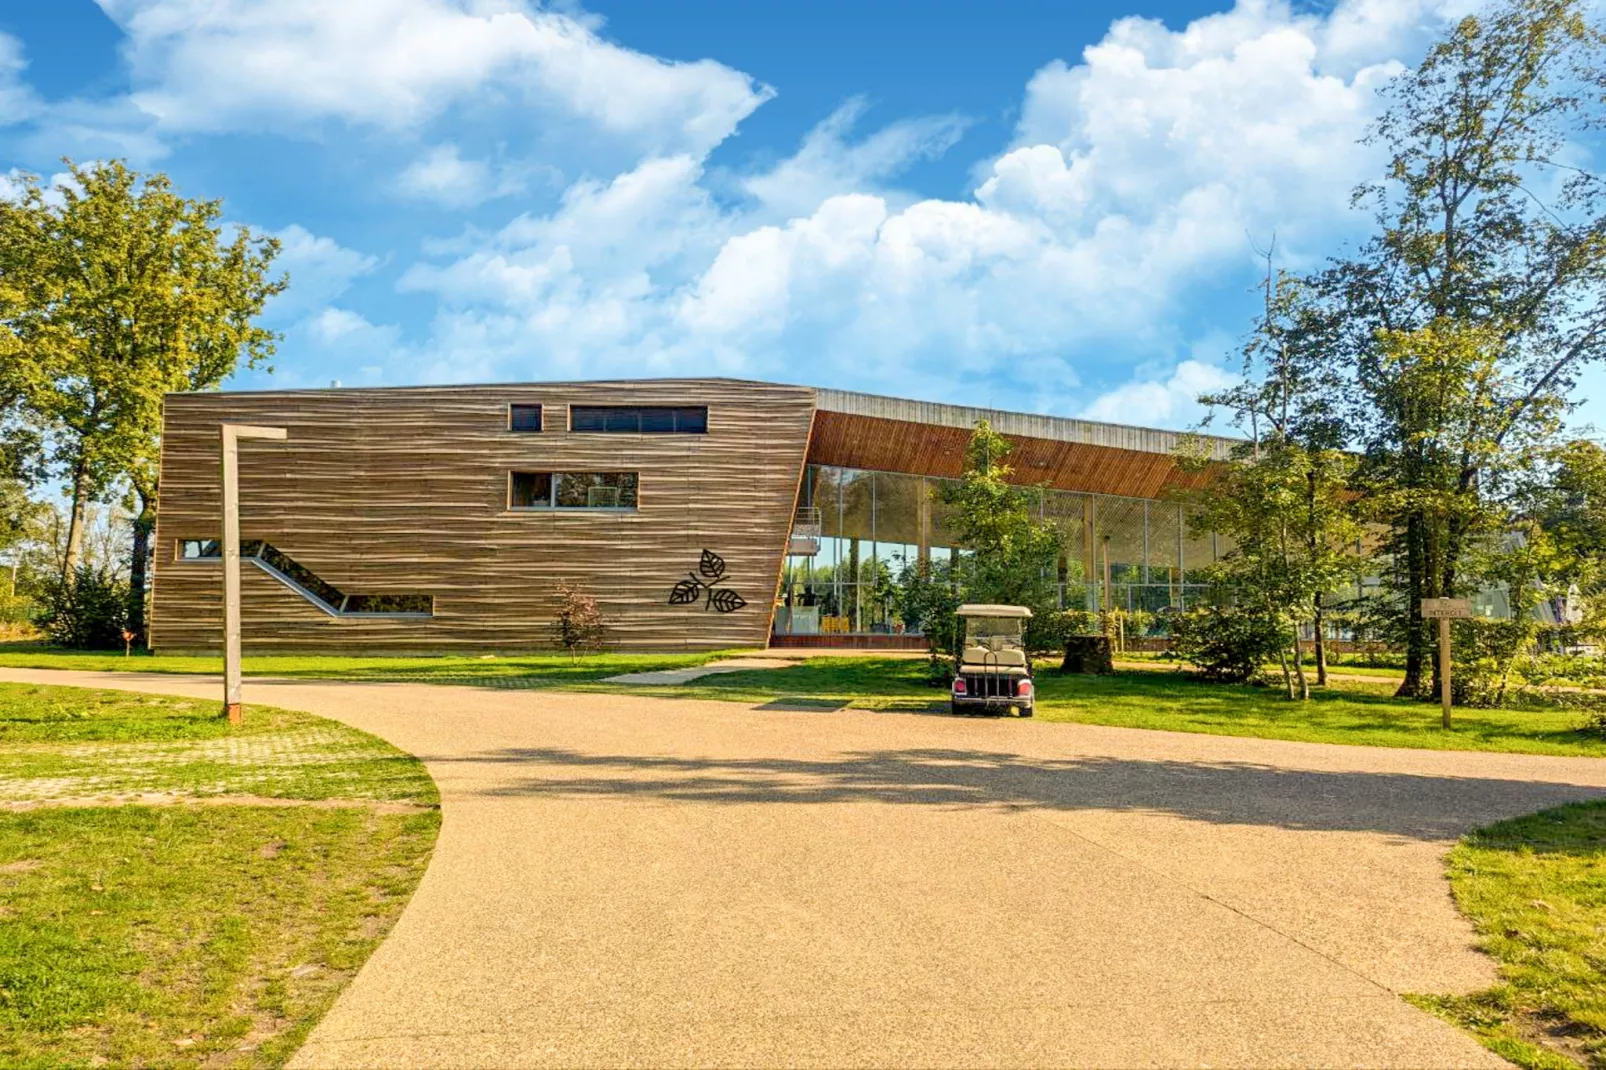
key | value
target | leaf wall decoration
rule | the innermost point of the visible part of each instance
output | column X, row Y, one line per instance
column 726, row 600
column 685, row 593
column 711, row 565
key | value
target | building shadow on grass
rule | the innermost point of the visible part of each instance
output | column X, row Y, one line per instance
column 1405, row 805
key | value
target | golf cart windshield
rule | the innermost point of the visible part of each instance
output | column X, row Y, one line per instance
column 994, row 633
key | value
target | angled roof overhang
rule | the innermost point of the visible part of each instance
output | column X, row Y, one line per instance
column 925, row 438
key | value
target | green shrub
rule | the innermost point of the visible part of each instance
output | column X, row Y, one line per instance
column 86, row 611
column 1486, row 654
column 1048, row 631
column 15, row 609
column 1226, row 643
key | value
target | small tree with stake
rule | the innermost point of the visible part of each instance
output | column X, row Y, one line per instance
column 578, row 625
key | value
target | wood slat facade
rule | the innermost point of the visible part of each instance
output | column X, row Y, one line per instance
column 390, row 491
column 405, row 490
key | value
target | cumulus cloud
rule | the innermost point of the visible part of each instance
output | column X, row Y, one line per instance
column 216, row 65
column 1171, row 401
column 1135, row 177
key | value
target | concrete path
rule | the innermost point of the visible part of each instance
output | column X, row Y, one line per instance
column 634, row 881
column 697, row 672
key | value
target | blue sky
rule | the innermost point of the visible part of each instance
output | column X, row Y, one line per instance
column 1044, row 206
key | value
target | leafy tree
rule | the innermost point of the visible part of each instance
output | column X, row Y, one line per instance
column 1288, row 399
column 1009, row 553
column 1285, row 508
column 1489, row 262
column 115, row 290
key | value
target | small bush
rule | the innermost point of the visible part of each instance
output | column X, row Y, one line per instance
column 85, row 611
column 578, row 625
column 1225, row 643
column 1048, row 631
column 15, row 610
column 1486, row 660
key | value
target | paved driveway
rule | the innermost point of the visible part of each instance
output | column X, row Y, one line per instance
column 649, row 881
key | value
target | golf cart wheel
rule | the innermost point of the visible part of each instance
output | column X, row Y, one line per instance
column 1025, row 711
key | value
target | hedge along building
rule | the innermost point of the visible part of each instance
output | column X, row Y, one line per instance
column 700, row 513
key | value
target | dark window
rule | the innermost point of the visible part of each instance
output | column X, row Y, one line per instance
column 686, row 420
column 573, row 490
column 524, row 417
column 390, row 603
column 531, row 490
column 199, row 549
column 596, row 490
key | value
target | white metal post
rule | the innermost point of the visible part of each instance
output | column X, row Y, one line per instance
column 231, row 435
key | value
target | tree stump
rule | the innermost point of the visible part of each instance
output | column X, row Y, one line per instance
column 1087, row 654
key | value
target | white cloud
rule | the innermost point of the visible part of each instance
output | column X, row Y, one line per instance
column 827, row 164
column 1171, row 401
column 443, row 176
column 319, row 267
column 18, row 102
column 214, row 65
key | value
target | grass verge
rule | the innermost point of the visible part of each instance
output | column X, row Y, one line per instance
column 518, row 670
column 1353, row 712
column 1535, row 889
column 189, row 935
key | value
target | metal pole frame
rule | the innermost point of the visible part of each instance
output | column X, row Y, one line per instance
column 231, row 435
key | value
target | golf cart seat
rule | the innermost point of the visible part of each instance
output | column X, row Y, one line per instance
column 1005, row 658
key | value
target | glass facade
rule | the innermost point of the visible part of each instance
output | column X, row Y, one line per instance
column 856, row 531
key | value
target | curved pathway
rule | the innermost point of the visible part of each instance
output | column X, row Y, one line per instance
column 625, row 881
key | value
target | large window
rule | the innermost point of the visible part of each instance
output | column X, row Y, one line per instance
column 626, row 419
column 572, row 490
column 524, row 417
column 309, row 584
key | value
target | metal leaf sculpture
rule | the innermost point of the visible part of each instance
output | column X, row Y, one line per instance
column 726, row 600
column 706, row 589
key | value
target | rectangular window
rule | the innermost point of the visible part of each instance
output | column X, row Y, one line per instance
column 524, row 418
column 531, row 490
column 636, row 419
column 573, row 490
column 199, row 549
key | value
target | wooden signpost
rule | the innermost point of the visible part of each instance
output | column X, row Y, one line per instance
column 1444, row 610
column 232, row 433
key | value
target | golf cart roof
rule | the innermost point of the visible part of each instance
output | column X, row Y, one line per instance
column 974, row 609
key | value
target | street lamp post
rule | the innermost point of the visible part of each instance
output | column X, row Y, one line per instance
column 231, row 435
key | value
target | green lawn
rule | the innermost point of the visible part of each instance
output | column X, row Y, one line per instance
column 188, row 935
column 1350, row 712
column 62, row 742
column 1535, row 889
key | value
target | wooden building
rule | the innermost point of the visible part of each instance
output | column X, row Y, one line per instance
column 700, row 513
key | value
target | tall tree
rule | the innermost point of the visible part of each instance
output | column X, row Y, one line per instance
column 1286, row 508
column 119, row 291
column 1489, row 257
column 1289, row 399
column 1010, row 553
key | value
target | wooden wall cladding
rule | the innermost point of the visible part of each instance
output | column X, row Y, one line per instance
column 405, row 490
column 850, row 440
